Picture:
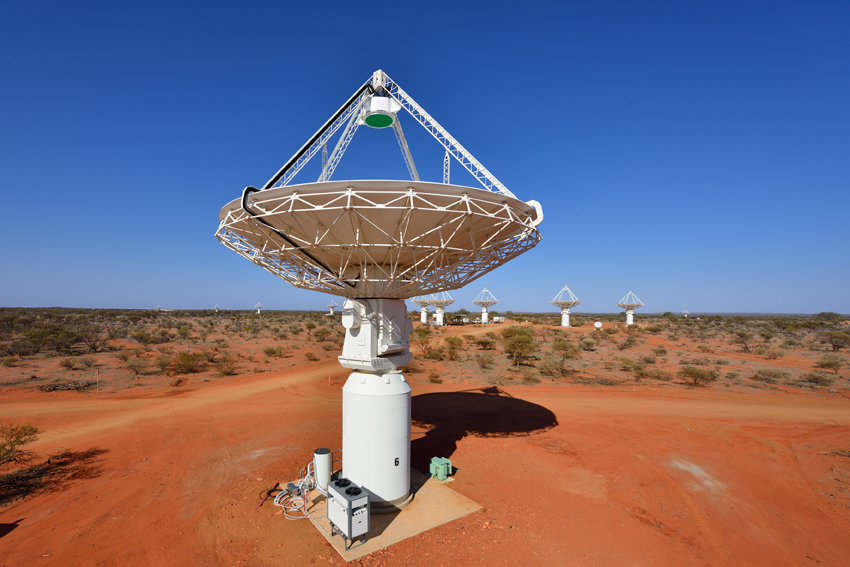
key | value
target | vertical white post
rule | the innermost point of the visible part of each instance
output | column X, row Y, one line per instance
column 484, row 315
column 630, row 317
column 565, row 316
column 440, row 311
column 423, row 315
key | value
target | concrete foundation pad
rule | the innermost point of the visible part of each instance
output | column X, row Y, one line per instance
column 434, row 504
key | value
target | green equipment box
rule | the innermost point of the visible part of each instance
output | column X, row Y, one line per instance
column 440, row 468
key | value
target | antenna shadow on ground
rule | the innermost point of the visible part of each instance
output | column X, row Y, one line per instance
column 480, row 412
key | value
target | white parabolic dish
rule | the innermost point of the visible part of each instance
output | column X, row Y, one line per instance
column 379, row 238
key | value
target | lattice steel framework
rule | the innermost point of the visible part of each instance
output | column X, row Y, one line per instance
column 565, row 298
column 630, row 302
column 485, row 299
column 379, row 239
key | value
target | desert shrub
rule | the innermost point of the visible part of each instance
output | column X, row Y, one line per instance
column 452, row 354
column 770, row 375
column 311, row 357
column 704, row 348
column 654, row 329
column 721, row 361
column 163, row 362
column 485, row 344
column 817, row 378
column 434, row 378
column 188, row 363
column 278, row 351
column 87, row 361
column 453, row 342
column 484, row 361
column 68, row 363
column 565, row 349
column 309, row 326
column 588, row 344
column 10, row 361
column 321, row 334
column 226, row 367
column 519, row 346
column 282, row 335
column 122, row 355
column 435, row 353
column 177, row 382
column 630, row 341
column 136, row 366
column 470, row 338
column 830, row 362
column 732, row 375
column 697, row 376
column 329, row 346
column 12, row 438
column 648, row 359
column 659, row 375
column 551, row 368
column 529, row 377
column 659, row 351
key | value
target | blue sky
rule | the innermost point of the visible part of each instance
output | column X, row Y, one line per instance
column 697, row 155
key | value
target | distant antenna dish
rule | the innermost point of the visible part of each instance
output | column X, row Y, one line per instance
column 598, row 325
column 441, row 301
column 423, row 302
column 566, row 300
column 630, row 303
column 332, row 305
column 258, row 306
column 686, row 313
column 377, row 243
column 484, row 300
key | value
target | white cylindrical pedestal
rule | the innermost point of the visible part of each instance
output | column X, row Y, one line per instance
column 376, row 435
column 484, row 315
column 440, row 312
column 423, row 316
column 565, row 317
column 630, row 317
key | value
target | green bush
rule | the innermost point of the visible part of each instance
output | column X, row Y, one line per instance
column 817, row 378
column 87, row 361
column 311, row 357
column 697, row 376
column 188, row 363
column 485, row 361
column 770, row 375
column 10, row 361
column 434, row 378
column 136, row 366
column 68, row 363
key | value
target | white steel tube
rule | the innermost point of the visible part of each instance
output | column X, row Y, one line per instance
column 630, row 317
column 565, row 316
column 484, row 315
column 423, row 315
column 322, row 467
column 440, row 311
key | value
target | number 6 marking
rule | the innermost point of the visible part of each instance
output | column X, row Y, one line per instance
column 396, row 461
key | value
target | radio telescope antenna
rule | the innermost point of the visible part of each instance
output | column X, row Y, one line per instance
column 258, row 306
column 423, row 302
column 484, row 300
column 216, row 308
column 377, row 243
column 332, row 305
column 441, row 301
column 686, row 313
column 566, row 300
column 630, row 303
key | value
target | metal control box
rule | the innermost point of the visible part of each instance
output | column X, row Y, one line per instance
column 349, row 508
column 440, row 468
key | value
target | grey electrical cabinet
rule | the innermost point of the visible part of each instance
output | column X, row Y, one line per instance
column 349, row 508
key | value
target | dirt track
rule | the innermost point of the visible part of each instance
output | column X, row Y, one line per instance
column 566, row 475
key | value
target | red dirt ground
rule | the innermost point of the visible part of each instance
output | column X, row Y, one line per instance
column 567, row 474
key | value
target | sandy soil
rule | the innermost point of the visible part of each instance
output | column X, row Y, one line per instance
column 633, row 474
